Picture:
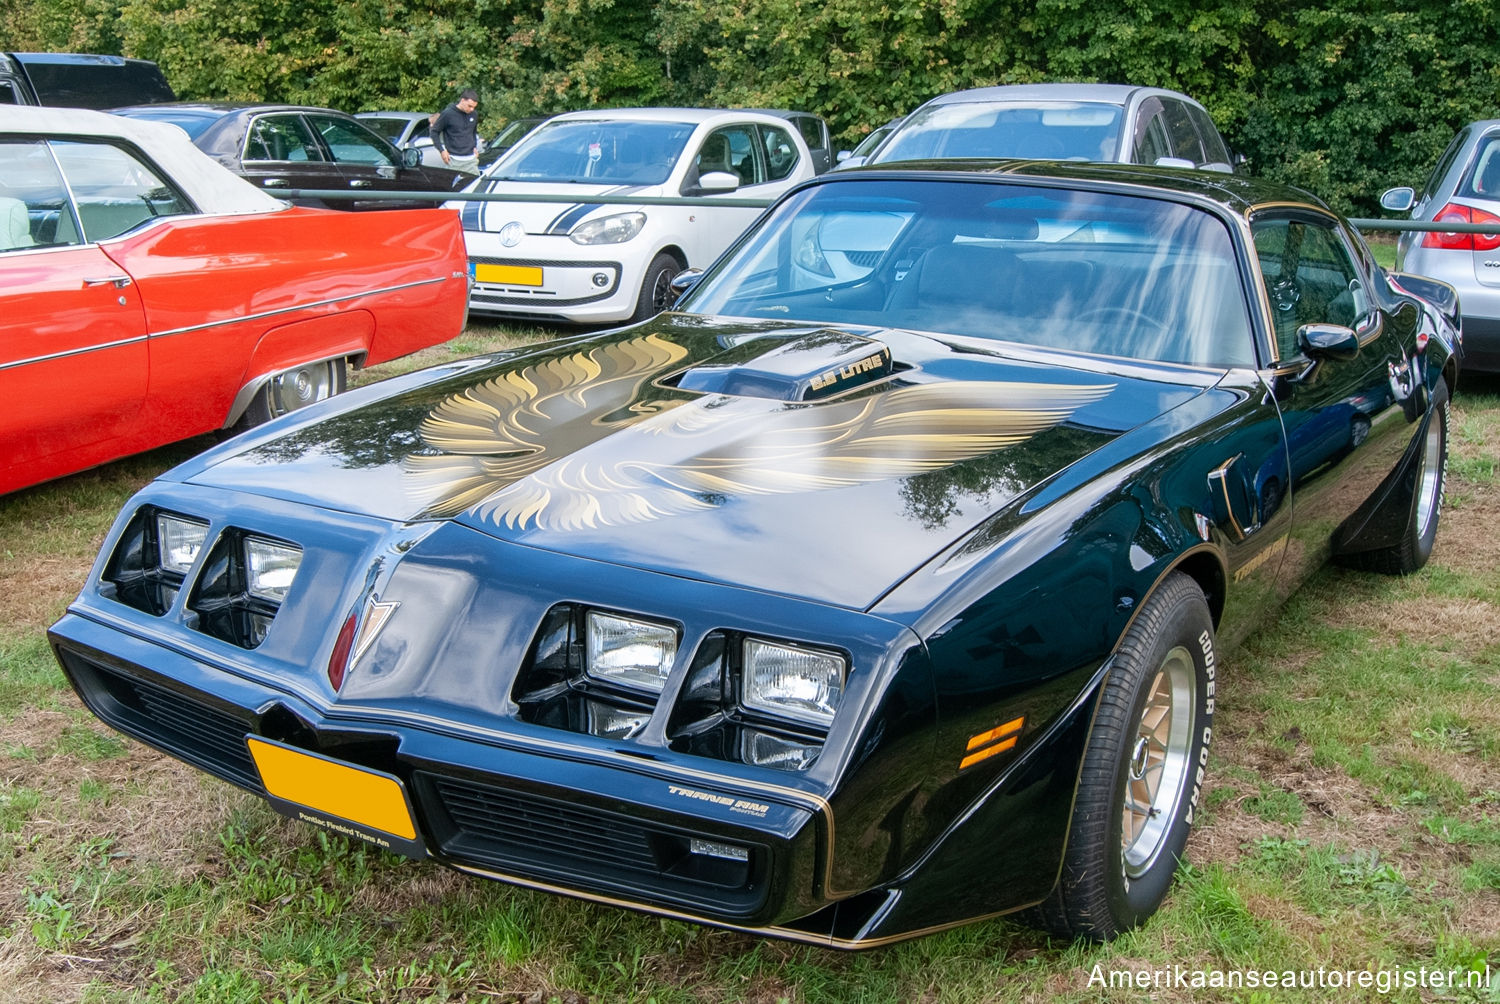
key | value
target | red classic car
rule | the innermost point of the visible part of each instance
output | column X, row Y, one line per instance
column 147, row 294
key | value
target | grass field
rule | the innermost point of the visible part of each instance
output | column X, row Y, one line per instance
column 1353, row 824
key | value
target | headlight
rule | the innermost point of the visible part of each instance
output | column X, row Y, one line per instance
column 609, row 229
column 270, row 568
column 178, row 542
column 631, row 653
column 796, row 683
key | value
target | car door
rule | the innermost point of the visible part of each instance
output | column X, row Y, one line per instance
column 282, row 152
column 73, row 352
column 766, row 160
column 1344, row 378
column 367, row 163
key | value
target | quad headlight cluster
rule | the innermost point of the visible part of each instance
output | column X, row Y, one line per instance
column 754, row 700
column 240, row 584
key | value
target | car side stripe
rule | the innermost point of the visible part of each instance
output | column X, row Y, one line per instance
column 215, row 324
column 73, row 352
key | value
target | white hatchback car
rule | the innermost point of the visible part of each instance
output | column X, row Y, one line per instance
column 587, row 263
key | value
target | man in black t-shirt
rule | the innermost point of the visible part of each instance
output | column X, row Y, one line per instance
column 455, row 133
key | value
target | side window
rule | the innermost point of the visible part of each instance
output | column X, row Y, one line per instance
column 281, row 138
column 731, row 149
column 780, row 152
column 813, row 134
column 351, row 143
column 34, row 207
column 1309, row 277
column 1214, row 150
column 8, row 95
column 115, row 190
column 1180, row 130
column 1440, row 170
column 1483, row 181
column 1150, row 143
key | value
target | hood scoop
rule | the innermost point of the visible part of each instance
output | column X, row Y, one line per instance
column 807, row 368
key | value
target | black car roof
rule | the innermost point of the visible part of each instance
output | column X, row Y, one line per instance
column 1236, row 193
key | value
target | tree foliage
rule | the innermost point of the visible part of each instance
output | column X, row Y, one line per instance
column 1343, row 97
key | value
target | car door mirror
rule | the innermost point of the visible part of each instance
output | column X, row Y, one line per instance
column 1328, row 341
column 684, row 281
column 718, row 181
column 1398, row 200
column 411, row 157
column 1174, row 162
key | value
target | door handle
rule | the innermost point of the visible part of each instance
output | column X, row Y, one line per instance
column 117, row 281
column 359, row 183
column 274, row 182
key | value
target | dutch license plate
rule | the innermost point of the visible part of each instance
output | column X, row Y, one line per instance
column 508, row 275
column 336, row 796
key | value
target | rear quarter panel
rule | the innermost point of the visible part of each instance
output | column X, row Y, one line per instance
column 229, row 299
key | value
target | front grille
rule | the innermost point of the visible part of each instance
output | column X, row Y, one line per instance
column 534, row 836
column 182, row 725
column 499, row 817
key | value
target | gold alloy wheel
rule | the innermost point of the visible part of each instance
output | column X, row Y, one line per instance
column 1158, row 765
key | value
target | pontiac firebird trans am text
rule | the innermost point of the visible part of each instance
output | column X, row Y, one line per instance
column 879, row 586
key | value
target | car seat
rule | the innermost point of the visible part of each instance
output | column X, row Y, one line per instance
column 715, row 155
column 15, row 225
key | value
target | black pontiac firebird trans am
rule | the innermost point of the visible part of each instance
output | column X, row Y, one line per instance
column 880, row 586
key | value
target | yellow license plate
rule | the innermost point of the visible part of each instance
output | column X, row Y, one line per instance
column 508, row 275
column 362, row 797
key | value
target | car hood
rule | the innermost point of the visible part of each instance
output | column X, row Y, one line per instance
column 542, row 217
column 820, row 463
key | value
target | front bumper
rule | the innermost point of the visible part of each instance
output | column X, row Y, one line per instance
column 577, row 291
column 553, row 818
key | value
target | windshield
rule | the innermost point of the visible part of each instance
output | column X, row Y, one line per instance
column 1045, row 130
column 1083, row 271
column 604, row 152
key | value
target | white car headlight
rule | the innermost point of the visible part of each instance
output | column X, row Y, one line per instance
column 270, row 567
column 630, row 653
column 178, row 542
column 609, row 229
column 795, row 683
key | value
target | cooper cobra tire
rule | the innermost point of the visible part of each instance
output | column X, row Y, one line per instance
column 294, row 389
column 656, row 292
column 1142, row 770
column 1430, row 472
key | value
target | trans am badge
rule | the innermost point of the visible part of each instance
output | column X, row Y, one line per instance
column 527, row 448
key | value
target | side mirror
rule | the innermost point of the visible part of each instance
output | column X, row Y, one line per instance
column 411, row 157
column 718, row 181
column 851, row 161
column 684, row 281
column 843, row 155
column 1174, row 162
column 1328, row 341
column 1398, row 200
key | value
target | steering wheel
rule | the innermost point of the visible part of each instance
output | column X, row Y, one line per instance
column 1127, row 315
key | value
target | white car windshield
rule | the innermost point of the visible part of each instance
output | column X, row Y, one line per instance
column 1081, row 271
column 598, row 151
column 1044, row 130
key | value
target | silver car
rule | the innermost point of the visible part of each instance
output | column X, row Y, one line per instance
column 1101, row 122
column 1464, row 187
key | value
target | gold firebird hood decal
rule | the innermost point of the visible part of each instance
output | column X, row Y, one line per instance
column 528, row 448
